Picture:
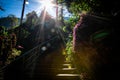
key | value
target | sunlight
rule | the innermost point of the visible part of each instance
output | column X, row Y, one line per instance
column 68, row 75
column 69, row 66
column 47, row 4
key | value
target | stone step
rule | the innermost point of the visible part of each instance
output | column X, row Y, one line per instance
column 68, row 68
column 55, row 77
column 68, row 65
column 68, row 77
column 69, row 72
column 67, row 62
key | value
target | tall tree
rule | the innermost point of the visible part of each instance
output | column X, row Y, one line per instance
column 31, row 18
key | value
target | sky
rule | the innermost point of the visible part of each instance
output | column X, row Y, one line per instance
column 15, row 7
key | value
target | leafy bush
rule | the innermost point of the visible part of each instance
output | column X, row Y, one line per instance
column 12, row 56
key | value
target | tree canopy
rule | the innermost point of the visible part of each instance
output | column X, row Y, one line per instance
column 99, row 7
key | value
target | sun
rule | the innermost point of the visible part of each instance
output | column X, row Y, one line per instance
column 47, row 4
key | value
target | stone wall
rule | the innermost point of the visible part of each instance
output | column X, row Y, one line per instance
column 95, row 42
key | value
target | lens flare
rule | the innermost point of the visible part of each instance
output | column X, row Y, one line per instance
column 47, row 4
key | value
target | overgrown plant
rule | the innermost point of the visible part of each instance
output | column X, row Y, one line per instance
column 12, row 56
column 8, row 50
column 69, row 49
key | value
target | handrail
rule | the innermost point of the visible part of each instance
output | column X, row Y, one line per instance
column 25, row 63
column 35, row 48
column 28, row 52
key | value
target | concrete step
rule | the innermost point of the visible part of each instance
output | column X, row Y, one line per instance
column 68, row 77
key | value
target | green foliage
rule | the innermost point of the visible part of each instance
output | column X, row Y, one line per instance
column 100, row 35
column 24, row 33
column 7, row 45
column 69, row 49
column 15, row 26
column 3, row 31
column 76, row 8
column 64, row 28
column 60, row 1
column 15, row 52
column 70, row 23
column 97, row 7
column 31, row 19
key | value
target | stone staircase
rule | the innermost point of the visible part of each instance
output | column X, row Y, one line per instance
column 68, row 72
column 53, row 66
